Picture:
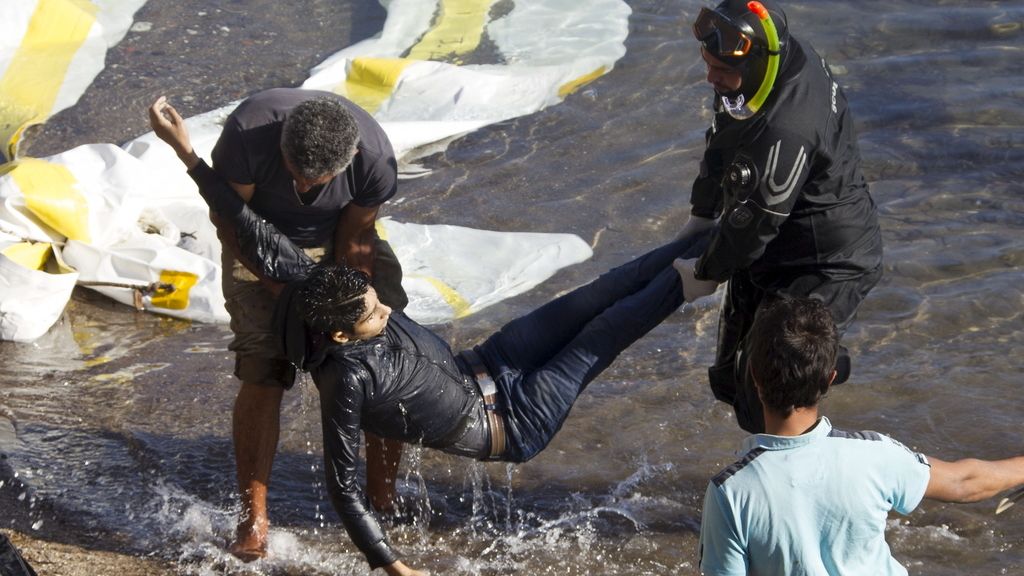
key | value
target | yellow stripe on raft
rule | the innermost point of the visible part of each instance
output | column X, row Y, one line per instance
column 178, row 298
column 31, row 255
column 459, row 305
column 458, row 30
column 29, row 87
column 460, row 25
column 51, row 193
column 370, row 81
column 574, row 85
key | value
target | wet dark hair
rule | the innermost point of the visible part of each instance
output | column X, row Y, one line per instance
column 332, row 298
column 319, row 138
column 792, row 346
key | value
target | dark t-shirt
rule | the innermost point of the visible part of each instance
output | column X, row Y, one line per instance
column 249, row 152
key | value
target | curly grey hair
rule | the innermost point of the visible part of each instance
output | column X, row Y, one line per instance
column 319, row 138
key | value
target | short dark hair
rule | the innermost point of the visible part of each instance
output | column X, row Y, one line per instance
column 792, row 347
column 319, row 137
column 332, row 297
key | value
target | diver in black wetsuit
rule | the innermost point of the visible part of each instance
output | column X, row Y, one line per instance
column 382, row 372
column 781, row 175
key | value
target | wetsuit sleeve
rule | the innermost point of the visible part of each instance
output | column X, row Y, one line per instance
column 261, row 243
column 341, row 404
column 722, row 550
column 706, row 194
column 780, row 163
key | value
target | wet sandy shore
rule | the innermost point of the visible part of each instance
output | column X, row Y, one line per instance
column 58, row 559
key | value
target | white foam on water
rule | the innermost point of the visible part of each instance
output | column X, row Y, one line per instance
column 503, row 537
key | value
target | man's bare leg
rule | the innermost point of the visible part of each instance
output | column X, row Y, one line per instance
column 256, row 426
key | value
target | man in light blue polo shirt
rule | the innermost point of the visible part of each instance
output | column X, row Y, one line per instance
column 807, row 498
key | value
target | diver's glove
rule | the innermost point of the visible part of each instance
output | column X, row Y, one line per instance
column 692, row 287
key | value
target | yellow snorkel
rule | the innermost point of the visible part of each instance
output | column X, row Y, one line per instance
column 773, row 56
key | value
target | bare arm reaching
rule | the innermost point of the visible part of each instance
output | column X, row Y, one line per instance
column 971, row 480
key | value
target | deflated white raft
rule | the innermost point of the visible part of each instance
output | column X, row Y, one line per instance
column 50, row 51
column 87, row 206
column 411, row 76
column 129, row 222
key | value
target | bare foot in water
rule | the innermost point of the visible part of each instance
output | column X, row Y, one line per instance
column 242, row 552
column 250, row 541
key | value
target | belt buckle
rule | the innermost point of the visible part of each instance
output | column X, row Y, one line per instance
column 489, row 394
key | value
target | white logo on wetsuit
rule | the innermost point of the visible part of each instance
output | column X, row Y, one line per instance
column 778, row 193
column 835, row 86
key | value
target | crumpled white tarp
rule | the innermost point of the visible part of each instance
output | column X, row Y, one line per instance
column 30, row 300
column 480, row 267
column 84, row 203
column 131, row 217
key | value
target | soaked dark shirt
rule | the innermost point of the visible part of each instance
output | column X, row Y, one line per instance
column 807, row 208
column 249, row 152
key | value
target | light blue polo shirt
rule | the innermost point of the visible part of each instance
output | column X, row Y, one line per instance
column 812, row 504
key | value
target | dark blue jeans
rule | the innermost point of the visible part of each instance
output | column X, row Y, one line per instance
column 543, row 361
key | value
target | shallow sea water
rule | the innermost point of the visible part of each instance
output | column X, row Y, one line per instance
column 119, row 422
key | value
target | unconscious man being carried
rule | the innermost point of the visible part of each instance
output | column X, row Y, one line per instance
column 382, row 372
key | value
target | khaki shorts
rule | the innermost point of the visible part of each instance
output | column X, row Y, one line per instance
column 258, row 355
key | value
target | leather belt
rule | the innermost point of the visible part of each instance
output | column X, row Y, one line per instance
column 489, row 392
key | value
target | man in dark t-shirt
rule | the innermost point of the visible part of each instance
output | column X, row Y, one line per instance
column 318, row 168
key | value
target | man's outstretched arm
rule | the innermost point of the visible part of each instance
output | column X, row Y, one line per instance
column 971, row 480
